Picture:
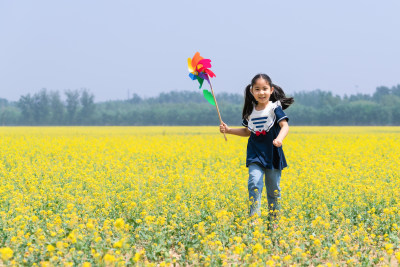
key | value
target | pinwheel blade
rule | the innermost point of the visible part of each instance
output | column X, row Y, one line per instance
column 192, row 76
column 210, row 73
column 201, row 80
column 209, row 97
column 204, row 76
column 195, row 60
column 190, row 67
column 205, row 62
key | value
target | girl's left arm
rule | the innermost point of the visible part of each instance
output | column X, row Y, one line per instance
column 282, row 134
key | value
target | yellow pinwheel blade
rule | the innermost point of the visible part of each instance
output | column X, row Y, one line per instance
column 190, row 65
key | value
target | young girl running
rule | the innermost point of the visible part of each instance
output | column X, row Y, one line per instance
column 267, row 125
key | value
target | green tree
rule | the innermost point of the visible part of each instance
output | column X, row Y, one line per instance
column 396, row 90
column 57, row 109
column 380, row 92
column 41, row 107
column 25, row 103
column 72, row 105
column 88, row 107
column 9, row 115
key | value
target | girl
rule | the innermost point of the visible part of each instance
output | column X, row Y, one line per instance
column 266, row 125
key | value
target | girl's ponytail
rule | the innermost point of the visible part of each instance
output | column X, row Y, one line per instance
column 278, row 94
column 249, row 101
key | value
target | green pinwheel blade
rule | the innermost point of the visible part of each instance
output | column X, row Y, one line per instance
column 209, row 97
column 200, row 80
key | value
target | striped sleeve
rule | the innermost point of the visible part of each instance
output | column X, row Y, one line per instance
column 280, row 115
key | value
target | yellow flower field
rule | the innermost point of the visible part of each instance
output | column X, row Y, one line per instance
column 105, row 196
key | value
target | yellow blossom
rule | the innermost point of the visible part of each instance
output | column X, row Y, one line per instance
column 119, row 223
column 50, row 248
column 109, row 258
column 6, row 253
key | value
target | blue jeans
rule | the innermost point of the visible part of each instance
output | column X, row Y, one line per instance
column 255, row 185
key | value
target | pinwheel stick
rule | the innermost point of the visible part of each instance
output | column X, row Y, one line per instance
column 216, row 105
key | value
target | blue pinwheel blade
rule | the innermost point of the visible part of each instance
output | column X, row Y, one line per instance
column 192, row 76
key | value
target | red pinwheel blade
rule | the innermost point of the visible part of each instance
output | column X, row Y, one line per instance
column 205, row 62
column 210, row 73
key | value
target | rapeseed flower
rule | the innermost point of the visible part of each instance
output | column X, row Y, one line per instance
column 6, row 253
column 134, row 196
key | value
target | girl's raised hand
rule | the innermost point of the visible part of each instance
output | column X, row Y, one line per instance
column 223, row 128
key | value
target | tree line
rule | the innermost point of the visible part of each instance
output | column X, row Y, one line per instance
column 77, row 107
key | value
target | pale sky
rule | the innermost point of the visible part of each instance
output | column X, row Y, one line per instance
column 110, row 47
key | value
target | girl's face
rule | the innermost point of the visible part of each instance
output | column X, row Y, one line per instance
column 261, row 91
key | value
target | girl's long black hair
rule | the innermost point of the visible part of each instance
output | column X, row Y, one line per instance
column 278, row 94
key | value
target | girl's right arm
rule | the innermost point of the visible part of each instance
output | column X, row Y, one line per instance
column 223, row 128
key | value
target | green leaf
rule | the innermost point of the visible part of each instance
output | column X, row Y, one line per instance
column 209, row 97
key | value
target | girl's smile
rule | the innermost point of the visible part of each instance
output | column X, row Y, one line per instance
column 261, row 91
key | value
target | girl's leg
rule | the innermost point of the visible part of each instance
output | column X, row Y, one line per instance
column 255, row 186
column 272, row 181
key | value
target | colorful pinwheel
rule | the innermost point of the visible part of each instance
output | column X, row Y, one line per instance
column 199, row 70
